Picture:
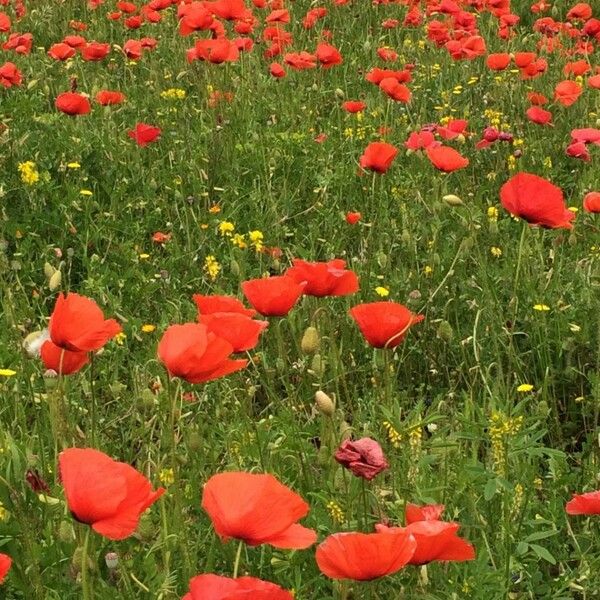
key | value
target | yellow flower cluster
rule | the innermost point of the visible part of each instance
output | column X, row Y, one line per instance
column 29, row 172
column 393, row 435
column 501, row 429
column 335, row 512
column 173, row 94
column 212, row 266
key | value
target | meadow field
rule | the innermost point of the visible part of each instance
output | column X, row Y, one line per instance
column 300, row 299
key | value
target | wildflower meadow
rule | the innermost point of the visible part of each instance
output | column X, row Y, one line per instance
column 300, row 299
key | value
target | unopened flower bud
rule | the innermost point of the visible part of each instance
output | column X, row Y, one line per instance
column 310, row 341
column 339, row 93
column 452, row 200
column 345, row 431
column 325, row 404
column 194, row 441
column 66, row 533
column 445, row 331
column 112, row 560
column 49, row 270
column 318, row 365
column 55, row 281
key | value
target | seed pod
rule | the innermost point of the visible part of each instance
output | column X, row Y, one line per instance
column 112, row 560
column 310, row 341
column 325, row 405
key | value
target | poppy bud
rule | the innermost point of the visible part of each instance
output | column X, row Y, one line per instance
column 66, row 533
column 34, row 341
column 339, row 93
column 55, row 281
column 146, row 400
column 405, row 237
column 318, row 365
column 145, row 530
column 452, row 200
column 112, row 560
column 543, row 409
column 234, row 267
column 325, row 404
column 572, row 239
column 310, row 341
column 77, row 560
column 345, row 431
column 194, row 441
column 49, row 270
column 460, row 138
column 445, row 331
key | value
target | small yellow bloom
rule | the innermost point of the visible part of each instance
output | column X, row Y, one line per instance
column 212, row 266
column 541, row 307
column 29, row 172
column 7, row 372
column 573, row 209
column 492, row 213
column 214, row 209
column 144, row 256
column 382, row 291
column 148, row 328
column 167, row 477
column 73, row 165
column 86, row 193
column 226, row 228
column 120, row 338
column 525, row 387
column 428, row 270
column 496, row 252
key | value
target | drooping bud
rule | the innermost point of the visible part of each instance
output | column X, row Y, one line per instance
column 325, row 404
column 310, row 341
column 452, row 200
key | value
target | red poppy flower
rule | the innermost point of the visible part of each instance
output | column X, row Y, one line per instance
column 446, row 159
column 498, row 62
column 591, row 202
column 436, row 541
column 193, row 353
column 94, row 51
column 75, row 41
column 365, row 556
column 594, row 82
column 61, row 51
column 256, row 509
column 584, row 504
column 578, row 150
column 77, row 324
column 536, row 200
column 193, row 17
column 354, row 106
column 378, row 156
column 394, row 90
column 364, row 457
column 581, row 11
column 10, row 75
column 387, row 54
column 277, row 70
column 536, row 98
column 72, row 103
column 324, row 278
column 214, row 304
column 427, row 512
column 240, row 331
column 5, row 564
column 377, row 75
column 419, row 140
column 273, row 296
column 524, row 59
column 567, row 92
column 300, row 61
column 109, row 98
column 352, row 218
column 384, row 324
column 133, row 49
column 5, row 23
column 104, row 493
column 144, row 134
column 538, row 115
column 453, row 129
column 61, row 361
column 215, row 587
column 217, row 51
column 328, row 55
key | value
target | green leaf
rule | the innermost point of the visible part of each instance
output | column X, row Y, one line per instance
column 490, row 489
column 543, row 553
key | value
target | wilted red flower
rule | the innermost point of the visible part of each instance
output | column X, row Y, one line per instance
column 193, row 353
column 354, row 106
column 273, row 296
column 35, row 481
column 277, row 70
column 215, row 304
column 240, row 331
column 10, row 75
column 158, row 237
column 567, row 92
column 591, row 202
column 144, row 134
column 378, row 156
column 77, row 324
column 436, row 541
column 352, row 218
column 324, row 278
column 581, row 11
column 104, row 493
column 365, row 556
column 108, row 97
column 5, row 564
column 384, row 324
column 72, row 103
column 215, row 587
column 584, row 504
column 536, row 200
column 256, row 509
column 446, row 159
column 364, row 457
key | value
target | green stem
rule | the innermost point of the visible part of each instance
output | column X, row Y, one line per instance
column 85, row 582
column 236, row 564
column 93, row 406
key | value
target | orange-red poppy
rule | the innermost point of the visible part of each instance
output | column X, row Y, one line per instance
column 215, row 587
